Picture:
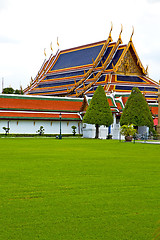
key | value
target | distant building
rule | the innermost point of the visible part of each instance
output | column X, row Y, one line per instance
column 25, row 114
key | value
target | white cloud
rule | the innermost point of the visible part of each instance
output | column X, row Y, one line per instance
column 153, row 1
column 3, row 4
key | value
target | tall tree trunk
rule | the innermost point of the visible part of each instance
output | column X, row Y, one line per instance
column 97, row 131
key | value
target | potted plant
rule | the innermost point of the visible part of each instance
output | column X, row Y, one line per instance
column 41, row 130
column 6, row 130
column 128, row 131
column 74, row 130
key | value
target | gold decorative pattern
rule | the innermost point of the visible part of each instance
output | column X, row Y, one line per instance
column 128, row 65
column 132, row 48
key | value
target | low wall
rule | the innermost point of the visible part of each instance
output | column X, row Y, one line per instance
column 32, row 126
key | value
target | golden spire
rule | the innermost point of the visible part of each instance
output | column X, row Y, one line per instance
column 121, row 33
column 147, row 70
column 132, row 34
column 51, row 47
column 111, row 30
column 21, row 89
column 57, row 42
column 45, row 52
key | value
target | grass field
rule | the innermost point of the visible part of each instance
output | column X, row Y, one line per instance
column 78, row 189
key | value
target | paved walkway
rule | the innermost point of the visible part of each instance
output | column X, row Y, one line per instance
column 151, row 142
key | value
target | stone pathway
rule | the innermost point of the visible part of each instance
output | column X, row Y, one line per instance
column 151, row 142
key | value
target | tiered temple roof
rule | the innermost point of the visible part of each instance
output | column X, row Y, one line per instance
column 78, row 71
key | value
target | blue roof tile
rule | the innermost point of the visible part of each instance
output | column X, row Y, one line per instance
column 77, row 58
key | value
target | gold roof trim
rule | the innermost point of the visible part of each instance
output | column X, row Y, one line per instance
column 110, row 32
column 120, row 39
column 95, row 62
column 132, row 34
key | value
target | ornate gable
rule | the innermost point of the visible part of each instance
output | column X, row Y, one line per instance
column 129, row 65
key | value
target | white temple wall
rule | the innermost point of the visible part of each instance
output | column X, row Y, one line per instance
column 115, row 128
column 89, row 131
column 31, row 126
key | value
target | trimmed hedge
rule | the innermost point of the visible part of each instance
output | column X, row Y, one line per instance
column 137, row 111
column 98, row 111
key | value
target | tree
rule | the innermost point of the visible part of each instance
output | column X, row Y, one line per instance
column 74, row 130
column 10, row 90
column 17, row 91
column 6, row 130
column 137, row 111
column 98, row 111
column 41, row 130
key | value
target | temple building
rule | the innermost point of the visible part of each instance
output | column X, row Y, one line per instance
column 78, row 71
column 75, row 73
column 26, row 114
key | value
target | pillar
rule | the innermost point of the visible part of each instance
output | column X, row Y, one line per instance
column 158, row 127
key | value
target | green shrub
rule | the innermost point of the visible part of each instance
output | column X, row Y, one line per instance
column 6, row 130
column 137, row 111
column 128, row 130
column 74, row 130
column 41, row 130
column 98, row 111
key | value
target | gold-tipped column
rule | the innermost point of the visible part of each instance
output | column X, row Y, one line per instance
column 158, row 127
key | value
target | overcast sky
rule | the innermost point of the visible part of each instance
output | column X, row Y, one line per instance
column 29, row 26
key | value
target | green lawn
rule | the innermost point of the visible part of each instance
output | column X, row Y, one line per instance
column 78, row 189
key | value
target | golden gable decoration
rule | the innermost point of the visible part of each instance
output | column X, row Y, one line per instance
column 128, row 65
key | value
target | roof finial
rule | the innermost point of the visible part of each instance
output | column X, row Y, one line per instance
column 51, row 47
column 132, row 34
column 111, row 30
column 45, row 52
column 147, row 70
column 57, row 42
column 121, row 32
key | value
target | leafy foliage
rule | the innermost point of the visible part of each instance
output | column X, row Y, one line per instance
column 10, row 90
column 6, row 130
column 99, row 112
column 41, row 130
column 128, row 130
column 74, row 130
column 136, row 111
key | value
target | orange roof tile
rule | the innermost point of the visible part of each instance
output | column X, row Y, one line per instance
column 37, row 115
column 40, row 104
